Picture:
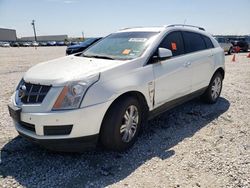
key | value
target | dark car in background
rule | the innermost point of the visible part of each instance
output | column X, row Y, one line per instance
column 14, row 44
column 74, row 43
column 82, row 46
column 240, row 46
column 60, row 43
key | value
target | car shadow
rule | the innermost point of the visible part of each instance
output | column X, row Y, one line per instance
column 32, row 166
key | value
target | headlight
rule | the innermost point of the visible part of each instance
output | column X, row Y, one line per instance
column 17, row 99
column 72, row 94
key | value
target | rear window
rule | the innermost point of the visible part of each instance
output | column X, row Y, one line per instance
column 193, row 42
column 208, row 42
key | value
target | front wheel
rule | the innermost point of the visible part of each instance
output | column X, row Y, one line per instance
column 213, row 91
column 121, row 124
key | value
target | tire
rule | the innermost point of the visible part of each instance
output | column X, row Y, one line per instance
column 118, row 120
column 213, row 91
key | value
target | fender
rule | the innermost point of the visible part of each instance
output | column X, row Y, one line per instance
column 140, row 79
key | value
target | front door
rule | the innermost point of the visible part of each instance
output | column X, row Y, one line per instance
column 173, row 77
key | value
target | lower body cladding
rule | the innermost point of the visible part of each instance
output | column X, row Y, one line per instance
column 66, row 130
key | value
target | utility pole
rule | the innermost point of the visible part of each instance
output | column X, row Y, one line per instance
column 34, row 28
column 185, row 21
column 82, row 35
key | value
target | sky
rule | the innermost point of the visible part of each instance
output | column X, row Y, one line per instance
column 101, row 17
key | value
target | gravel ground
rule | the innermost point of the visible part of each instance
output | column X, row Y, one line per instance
column 193, row 145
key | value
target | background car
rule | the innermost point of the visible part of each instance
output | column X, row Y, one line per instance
column 74, row 43
column 34, row 43
column 60, row 43
column 14, row 44
column 67, row 43
column 240, row 46
column 51, row 43
column 25, row 44
column 43, row 43
column 225, row 44
column 5, row 44
column 82, row 46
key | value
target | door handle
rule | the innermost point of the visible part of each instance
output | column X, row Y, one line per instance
column 187, row 64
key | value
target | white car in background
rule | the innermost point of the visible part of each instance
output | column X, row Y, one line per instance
column 35, row 44
column 225, row 44
column 26, row 44
column 107, row 94
column 5, row 44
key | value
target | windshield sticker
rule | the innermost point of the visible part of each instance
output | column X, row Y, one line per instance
column 137, row 40
column 173, row 46
column 126, row 51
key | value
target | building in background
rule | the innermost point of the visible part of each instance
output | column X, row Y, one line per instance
column 46, row 38
column 7, row 35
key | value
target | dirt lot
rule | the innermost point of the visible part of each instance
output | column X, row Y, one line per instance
column 193, row 145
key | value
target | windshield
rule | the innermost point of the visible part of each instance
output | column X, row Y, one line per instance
column 122, row 46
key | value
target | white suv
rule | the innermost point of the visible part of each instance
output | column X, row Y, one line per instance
column 106, row 94
column 225, row 44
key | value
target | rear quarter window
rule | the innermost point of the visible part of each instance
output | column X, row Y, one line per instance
column 208, row 42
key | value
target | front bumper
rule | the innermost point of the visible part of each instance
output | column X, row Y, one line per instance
column 84, row 126
column 66, row 145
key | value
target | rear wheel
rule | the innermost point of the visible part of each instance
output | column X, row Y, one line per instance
column 213, row 91
column 121, row 124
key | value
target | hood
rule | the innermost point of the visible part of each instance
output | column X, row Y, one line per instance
column 75, row 46
column 70, row 68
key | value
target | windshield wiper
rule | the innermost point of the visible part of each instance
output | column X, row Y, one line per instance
column 98, row 56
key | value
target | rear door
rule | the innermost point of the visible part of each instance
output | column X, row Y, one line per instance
column 173, row 77
column 200, row 57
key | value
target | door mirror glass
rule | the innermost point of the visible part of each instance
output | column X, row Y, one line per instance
column 164, row 53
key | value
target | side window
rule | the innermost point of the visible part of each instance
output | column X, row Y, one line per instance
column 208, row 42
column 193, row 42
column 174, row 42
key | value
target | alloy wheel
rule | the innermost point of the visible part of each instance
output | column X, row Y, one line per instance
column 129, row 123
column 216, row 88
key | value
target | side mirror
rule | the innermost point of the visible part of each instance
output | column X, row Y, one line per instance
column 164, row 53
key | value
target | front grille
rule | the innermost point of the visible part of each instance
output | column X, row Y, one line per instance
column 34, row 93
column 27, row 126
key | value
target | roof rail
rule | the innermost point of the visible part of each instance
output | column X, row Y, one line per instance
column 125, row 28
column 183, row 25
